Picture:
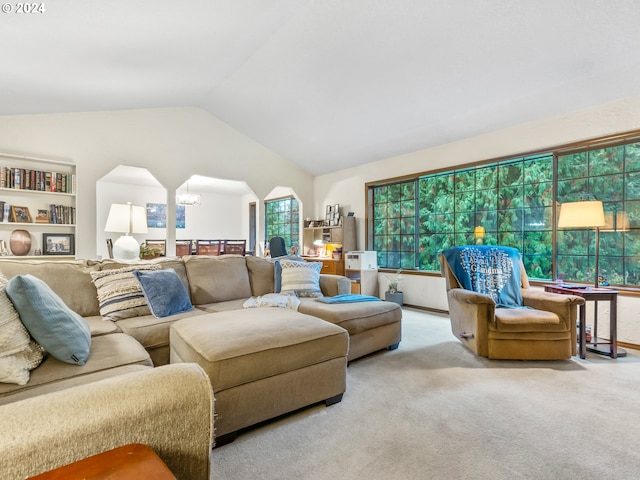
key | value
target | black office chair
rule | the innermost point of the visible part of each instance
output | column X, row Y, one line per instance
column 277, row 247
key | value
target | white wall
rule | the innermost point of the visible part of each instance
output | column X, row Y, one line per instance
column 172, row 143
column 347, row 186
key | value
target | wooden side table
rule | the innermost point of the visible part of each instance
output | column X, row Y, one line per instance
column 595, row 295
column 129, row 462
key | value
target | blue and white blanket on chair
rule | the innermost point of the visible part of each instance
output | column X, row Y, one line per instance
column 490, row 270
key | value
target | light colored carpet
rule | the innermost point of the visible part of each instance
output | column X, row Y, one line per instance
column 433, row 410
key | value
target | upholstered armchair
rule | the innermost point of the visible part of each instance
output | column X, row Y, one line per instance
column 546, row 330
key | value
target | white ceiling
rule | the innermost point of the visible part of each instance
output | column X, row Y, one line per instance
column 327, row 84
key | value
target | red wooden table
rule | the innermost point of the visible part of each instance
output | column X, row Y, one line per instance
column 129, row 462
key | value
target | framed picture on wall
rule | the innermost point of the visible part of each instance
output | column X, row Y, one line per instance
column 157, row 215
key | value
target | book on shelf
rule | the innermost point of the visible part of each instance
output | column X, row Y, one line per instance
column 37, row 180
column 62, row 214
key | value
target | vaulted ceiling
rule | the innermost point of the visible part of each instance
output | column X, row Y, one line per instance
column 327, row 84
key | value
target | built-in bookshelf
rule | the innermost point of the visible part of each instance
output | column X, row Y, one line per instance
column 37, row 196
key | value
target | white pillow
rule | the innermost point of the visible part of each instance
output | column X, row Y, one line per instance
column 301, row 278
column 19, row 354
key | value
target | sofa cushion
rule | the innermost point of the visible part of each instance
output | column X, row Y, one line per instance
column 70, row 280
column 261, row 275
column 152, row 332
column 526, row 320
column 217, row 279
column 100, row 326
column 164, row 292
column 61, row 331
column 354, row 317
column 19, row 354
column 236, row 304
column 109, row 354
column 119, row 292
column 301, row 278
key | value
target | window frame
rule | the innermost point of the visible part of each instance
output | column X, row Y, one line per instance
column 291, row 232
column 623, row 139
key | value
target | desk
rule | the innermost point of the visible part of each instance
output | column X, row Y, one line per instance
column 595, row 295
column 330, row 265
column 135, row 462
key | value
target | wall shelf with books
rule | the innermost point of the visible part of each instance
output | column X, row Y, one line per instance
column 37, row 207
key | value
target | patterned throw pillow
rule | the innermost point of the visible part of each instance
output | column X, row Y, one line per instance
column 119, row 292
column 19, row 354
column 277, row 270
column 301, row 278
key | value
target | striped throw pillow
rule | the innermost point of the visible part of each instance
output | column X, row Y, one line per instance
column 119, row 292
column 301, row 278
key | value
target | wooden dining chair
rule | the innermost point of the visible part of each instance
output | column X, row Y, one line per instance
column 183, row 247
column 208, row 247
column 235, row 247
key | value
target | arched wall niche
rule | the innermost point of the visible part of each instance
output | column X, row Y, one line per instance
column 223, row 212
column 282, row 192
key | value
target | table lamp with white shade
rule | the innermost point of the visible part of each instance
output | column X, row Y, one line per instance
column 126, row 219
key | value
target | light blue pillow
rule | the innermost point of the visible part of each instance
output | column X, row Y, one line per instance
column 61, row 331
column 164, row 291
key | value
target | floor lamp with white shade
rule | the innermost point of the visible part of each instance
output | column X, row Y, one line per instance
column 584, row 214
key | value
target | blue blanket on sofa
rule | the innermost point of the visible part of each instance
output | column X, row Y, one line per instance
column 487, row 269
column 348, row 298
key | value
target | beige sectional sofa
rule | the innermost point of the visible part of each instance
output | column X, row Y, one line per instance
column 254, row 358
column 54, row 429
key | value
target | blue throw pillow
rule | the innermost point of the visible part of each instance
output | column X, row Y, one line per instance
column 164, row 291
column 61, row 331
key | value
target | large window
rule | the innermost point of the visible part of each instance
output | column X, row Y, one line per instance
column 513, row 202
column 282, row 220
column 610, row 174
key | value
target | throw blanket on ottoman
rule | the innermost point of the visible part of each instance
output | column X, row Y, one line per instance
column 490, row 270
column 348, row 298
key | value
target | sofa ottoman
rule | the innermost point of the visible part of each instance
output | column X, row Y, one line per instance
column 372, row 326
column 263, row 362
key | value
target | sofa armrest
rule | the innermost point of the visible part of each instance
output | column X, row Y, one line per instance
column 565, row 306
column 470, row 314
column 332, row 285
column 168, row 408
column 468, row 296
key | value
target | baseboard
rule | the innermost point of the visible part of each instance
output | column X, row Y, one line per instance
column 426, row 309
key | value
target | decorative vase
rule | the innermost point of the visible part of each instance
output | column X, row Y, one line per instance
column 395, row 297
column 20, row 242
